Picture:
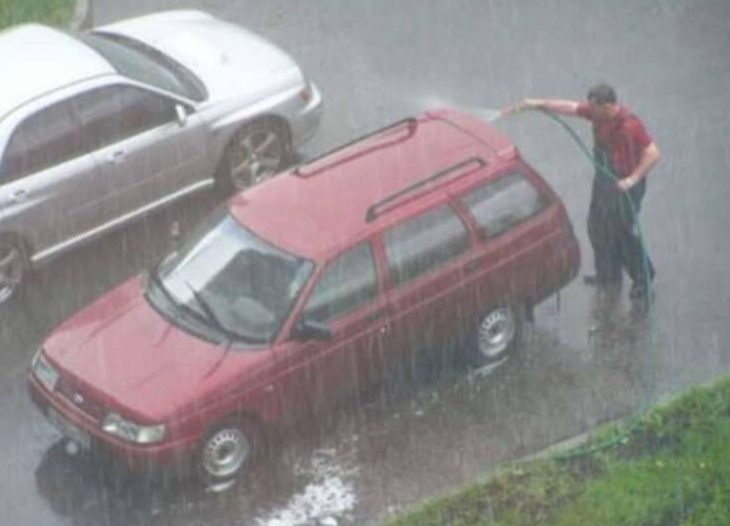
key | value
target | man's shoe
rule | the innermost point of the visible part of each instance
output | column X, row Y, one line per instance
column 641, row 292
column 590, row 279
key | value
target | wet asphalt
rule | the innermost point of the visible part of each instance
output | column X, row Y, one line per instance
column 588, row 358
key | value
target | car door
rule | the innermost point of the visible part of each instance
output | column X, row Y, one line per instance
column 425, row 255
column 145, row 153
column 48, row 179
column 506, row 262
column 347, row 300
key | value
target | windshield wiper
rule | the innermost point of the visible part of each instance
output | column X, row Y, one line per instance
column 157, row 280
column 213, row 318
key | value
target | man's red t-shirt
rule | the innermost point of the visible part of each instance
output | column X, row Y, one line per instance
column 623, row 135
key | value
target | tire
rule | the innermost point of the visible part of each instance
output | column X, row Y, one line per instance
column 13, row 267
column 227, row 450
column 257, row 152
column 497, row 335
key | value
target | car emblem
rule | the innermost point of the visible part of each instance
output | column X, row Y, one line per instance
column 78, row 399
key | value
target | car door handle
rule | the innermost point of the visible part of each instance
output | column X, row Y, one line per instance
column 473, row 266
column 117, row 157
column 18, row 196
column 375, row 316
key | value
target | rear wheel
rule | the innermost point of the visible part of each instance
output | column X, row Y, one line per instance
column 227, row 449
column 257, row 152
column 498, row 334
column 13, row 267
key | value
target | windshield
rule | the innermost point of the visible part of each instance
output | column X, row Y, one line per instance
column 142, row 63
column 243, row 286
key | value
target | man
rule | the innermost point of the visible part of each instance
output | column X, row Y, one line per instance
column 624, row 154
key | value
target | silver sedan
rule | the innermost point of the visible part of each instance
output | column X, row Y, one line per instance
column 100, row 128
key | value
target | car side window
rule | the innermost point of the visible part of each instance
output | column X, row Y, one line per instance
column 501, row 204
column 347, row 283
column 114, row 113
column 44, row 139
column 423, row 243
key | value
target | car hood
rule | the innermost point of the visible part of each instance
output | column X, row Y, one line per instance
column 231, row 61
column 135, row 362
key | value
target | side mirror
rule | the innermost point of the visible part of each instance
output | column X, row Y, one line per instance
column 311, row 330
column 182, row 114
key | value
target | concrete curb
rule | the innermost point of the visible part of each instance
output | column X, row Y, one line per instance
column 82, row 17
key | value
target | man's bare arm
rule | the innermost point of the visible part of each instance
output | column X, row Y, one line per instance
column 649, row 158
column 564, row 107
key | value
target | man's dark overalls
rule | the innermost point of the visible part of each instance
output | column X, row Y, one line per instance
column 612, row 225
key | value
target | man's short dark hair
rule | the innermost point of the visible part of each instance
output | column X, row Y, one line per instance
column 602, row 94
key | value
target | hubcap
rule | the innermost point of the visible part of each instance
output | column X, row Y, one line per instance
column 225, row 452
column 255, row 157
column 496, row 332
column 11, row 269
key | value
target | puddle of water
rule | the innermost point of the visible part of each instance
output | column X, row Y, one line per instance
column 328, row 497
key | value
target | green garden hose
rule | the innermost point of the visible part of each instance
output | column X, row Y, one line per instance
column 650, row 354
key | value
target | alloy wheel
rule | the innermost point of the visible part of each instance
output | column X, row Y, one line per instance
column 257, row 154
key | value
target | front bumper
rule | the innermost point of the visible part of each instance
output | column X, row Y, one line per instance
column 306, row 122
column 76, row 425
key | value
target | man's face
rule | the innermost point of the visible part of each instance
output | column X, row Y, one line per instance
column 602, row 110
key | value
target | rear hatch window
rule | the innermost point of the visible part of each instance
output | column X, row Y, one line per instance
column 503, row 203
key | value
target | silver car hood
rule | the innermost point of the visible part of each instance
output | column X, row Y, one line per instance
column 231, row 61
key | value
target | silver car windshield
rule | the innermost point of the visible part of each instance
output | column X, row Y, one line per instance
column 144, row 64
column 243, row 285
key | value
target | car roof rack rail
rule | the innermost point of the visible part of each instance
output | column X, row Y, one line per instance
column 375, row 209
column 410, row 121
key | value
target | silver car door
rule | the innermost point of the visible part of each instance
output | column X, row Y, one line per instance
column 146, row 154
column 47, row 180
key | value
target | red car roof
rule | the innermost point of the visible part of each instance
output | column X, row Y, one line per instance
column 316, row 212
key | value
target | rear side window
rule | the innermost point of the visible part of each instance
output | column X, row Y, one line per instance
column 114, row 113
column 46, row 138
column 501, row 204
column 347, row 283
column 423, row 243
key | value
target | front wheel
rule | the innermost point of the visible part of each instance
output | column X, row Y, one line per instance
column 498, row 334
column 13, row 267
column 258, row 151
column 227, row 450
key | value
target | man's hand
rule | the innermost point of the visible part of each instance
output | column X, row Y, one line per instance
column 517, row 107
column 626, row 183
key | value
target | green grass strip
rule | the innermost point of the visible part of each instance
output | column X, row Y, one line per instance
column 51, row 12
column 672, row 469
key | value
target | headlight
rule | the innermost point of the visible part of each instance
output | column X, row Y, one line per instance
column 114, row 424
column 43, row 370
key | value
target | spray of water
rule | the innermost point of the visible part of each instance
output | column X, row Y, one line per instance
column 486, row 114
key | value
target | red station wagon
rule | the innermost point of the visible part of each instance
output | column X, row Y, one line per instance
column 308, row 288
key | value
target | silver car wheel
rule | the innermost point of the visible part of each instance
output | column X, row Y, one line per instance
column 225, row 452
column 257, row 153
column 496, row 333
column 12, row 268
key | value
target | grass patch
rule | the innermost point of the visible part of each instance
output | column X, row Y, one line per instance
column 51, row 12
column 672, row 468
